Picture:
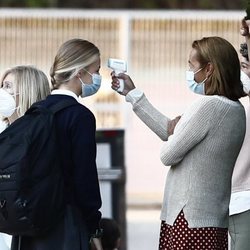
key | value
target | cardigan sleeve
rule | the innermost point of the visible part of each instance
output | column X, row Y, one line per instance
column 191, row 130
column 154, row 119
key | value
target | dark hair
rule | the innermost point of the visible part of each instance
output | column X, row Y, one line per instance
column 111, row 233
column 225, row 78
column 244, row 51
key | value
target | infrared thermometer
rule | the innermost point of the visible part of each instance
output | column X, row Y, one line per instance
column 119, row 66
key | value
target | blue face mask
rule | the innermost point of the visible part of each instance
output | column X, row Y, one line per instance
column 198, row 88
column 91, row 88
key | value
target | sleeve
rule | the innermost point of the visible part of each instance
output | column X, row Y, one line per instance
column 86, row 184
column 154, row 119
column 191, row 130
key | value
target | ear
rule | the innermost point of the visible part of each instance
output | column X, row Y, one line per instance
column 209, row 69
column 79, row 74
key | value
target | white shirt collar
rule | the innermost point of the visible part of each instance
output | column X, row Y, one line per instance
column 64, row 92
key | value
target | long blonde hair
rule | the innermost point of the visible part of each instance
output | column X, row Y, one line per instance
column 72, row 56
column 31, row 84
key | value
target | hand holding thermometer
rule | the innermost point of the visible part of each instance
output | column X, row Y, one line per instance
column 119, row 66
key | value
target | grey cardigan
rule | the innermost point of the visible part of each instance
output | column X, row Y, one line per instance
column 202, row 153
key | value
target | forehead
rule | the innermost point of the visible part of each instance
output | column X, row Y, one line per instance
column 96, row 64
column 193, row 55
column 9, row 77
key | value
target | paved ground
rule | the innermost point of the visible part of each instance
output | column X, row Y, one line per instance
column 143, row 229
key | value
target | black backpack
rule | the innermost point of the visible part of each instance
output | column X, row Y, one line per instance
column 31, row 180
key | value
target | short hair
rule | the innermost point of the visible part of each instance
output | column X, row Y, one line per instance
column 111, row 233
column 31, row 83
column 72, row 56
column 225, row 78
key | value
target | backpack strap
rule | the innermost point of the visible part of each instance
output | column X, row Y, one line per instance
column 62, row 105
column 54, row 108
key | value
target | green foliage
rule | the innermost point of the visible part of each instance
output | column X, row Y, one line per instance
column 24, row 3
column 37, row 3
column 143, row 4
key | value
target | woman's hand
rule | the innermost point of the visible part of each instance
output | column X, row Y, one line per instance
column 128, row 83
column 172, row 124
column 96, row 244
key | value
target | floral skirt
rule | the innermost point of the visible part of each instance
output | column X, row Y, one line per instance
column 181, row 237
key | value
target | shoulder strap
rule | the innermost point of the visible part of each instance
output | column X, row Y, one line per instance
column 54, row 108
column 62, row 105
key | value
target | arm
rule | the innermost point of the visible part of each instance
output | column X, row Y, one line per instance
column 155, row 120
column 190, row 131
column 86, row 185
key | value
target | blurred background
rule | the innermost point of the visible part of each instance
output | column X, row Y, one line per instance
column 154, row 37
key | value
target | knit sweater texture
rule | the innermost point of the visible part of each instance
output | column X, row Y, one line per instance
column 202, row 153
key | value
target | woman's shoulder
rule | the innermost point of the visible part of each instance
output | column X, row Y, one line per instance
column 74, row 111
column 209, row 106
column 214, row 100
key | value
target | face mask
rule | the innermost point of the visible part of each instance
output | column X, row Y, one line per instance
column 7, row 103
column 245, row 81
column 92, row 88
column 198, row 88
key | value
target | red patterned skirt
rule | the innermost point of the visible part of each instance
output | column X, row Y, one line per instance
column 181, row 237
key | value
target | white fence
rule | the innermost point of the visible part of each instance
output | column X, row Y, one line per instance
column 155, row 44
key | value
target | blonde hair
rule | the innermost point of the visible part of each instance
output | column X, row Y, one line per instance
column 225, row 79
column 31, row 84
column 72, row 56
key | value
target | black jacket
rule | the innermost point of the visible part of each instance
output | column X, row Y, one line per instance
column 76, row 134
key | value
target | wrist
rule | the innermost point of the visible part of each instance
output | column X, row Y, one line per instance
column 97, row 234
column 133, row 96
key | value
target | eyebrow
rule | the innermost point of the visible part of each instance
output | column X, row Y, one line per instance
column 5, row 81
column 245, row 63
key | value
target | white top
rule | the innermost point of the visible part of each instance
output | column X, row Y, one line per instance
column 240, row 202
column 240, row 198
column 64, row 92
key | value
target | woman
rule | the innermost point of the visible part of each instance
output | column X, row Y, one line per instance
column 21, row 86
column 239, row 219
column 202, row 150
column 74, row 73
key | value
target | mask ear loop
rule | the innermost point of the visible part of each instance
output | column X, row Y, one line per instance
column 81, row 81
column 87, row 71
column 197, row 71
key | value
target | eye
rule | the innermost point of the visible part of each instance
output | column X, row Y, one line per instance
column 8, row 86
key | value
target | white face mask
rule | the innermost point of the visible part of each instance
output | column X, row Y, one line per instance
column 92, row 88
column 198, row 88
column 245, row 81
column 7, row 103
